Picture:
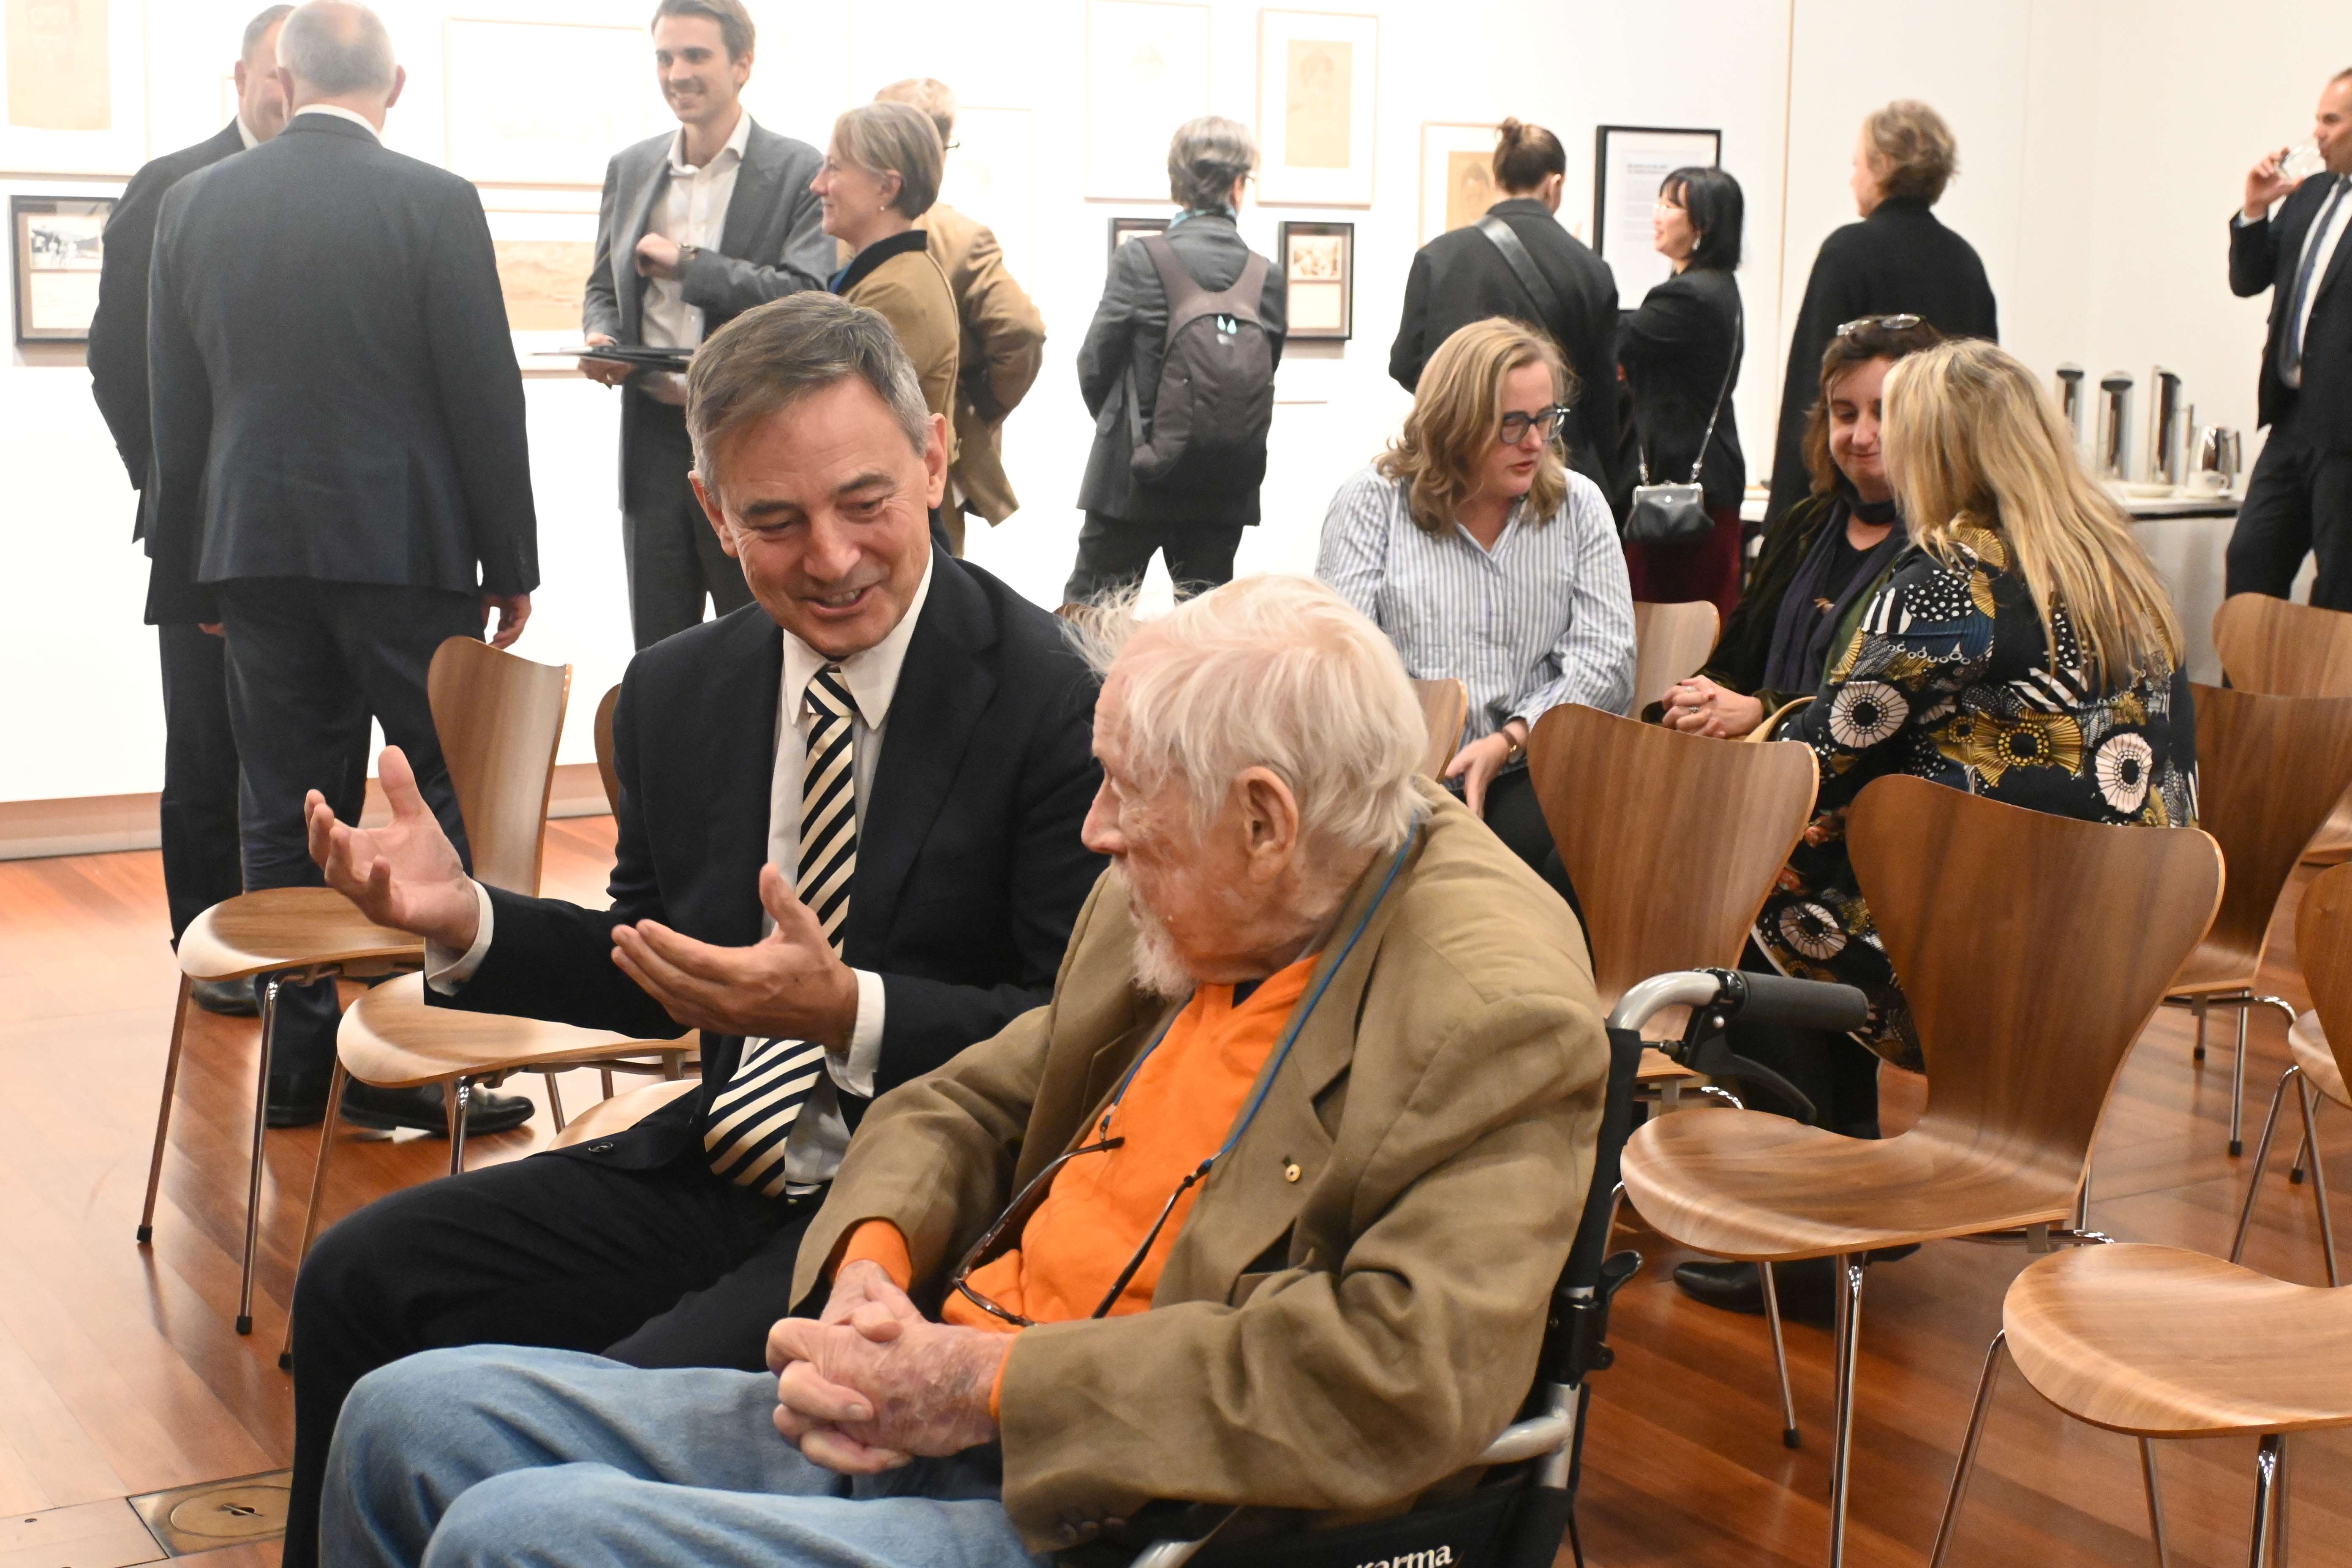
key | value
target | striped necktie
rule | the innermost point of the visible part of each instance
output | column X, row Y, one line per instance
column 750, row 1121
column 2290, row 346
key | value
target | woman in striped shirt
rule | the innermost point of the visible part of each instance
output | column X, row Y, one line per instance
column 1486, row 560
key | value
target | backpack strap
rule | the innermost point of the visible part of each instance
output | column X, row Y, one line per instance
column 1540, row 294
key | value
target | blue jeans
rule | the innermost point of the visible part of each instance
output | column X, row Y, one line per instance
column 497, row 1455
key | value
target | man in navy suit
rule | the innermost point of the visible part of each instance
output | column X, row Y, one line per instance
column 849, row 847
column 340, row 465
column 2299, row 497
column 198, row 810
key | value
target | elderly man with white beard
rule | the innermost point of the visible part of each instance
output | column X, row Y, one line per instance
column 1263, row 1209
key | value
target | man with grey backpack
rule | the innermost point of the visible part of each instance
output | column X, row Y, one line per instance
column 1178, row 372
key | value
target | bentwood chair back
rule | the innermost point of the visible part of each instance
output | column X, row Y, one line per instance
column 1671, row 840
column 1670, row 643
column 2287, row 650
column 499, row 717
column 606, row 770
column 1444, row 709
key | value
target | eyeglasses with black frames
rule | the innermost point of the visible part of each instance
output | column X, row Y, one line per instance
column 1544, row 422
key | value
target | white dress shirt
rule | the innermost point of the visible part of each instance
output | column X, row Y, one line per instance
column 245, row 132
column 813, row 1154
column 691, row 210
column 339, row 111
column 2319, row 253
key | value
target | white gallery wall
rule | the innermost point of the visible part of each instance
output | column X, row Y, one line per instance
column 2102, row 143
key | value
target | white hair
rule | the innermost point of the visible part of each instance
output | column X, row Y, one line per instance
column 337, row 48
column 1274, row 672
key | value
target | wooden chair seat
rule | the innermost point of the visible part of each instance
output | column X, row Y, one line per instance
column 291, row 928
column 622, row 1111
column 2308, row 1042
column 392, row 1039
column 1444, row 709
column 2167, row 1343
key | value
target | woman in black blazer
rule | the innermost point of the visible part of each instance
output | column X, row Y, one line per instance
column 1680, row 355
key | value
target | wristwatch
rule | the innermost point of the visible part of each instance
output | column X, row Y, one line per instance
column 1512, row 749
column 685, row 255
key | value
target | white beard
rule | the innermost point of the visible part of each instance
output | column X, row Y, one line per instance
column 1159, row 969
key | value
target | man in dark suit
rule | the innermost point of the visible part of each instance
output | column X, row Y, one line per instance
column 696, row 227
column 2299, row 497
column 339, row 463
column 847, row 850
column 197, row 813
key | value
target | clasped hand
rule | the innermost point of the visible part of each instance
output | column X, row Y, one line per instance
column 872, row 1383
column 790, row 984
column 1699, row 707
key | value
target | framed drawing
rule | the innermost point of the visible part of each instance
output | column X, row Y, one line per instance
column 1629, row 161
column 1123, row 229
column 59, row 242
column 1317, row 90
column 77, row 85
column 1457, row 175
column 543, row 260
column 1146, row 73
column 499, row 136
column 1318, row 271
column 992, row 175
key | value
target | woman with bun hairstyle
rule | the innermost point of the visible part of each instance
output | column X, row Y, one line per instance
column 1472, row 273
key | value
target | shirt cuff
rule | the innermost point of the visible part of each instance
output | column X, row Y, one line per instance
column 882, row 1243
column 853, row 1072
column 447, row 972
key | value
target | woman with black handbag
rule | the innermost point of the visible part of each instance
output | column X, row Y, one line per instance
column 1680, row 356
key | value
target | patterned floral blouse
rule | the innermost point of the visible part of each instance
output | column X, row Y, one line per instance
column 1950, row 677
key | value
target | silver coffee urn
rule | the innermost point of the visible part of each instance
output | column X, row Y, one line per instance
column 2114, row 458
column 2168, row 428
column 2070, row 399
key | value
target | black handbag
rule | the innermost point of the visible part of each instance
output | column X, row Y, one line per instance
column 1676, row 514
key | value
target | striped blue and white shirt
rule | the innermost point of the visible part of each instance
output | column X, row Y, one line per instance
column 1545, row 617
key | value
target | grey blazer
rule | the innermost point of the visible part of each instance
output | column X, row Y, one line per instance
column 772, row 245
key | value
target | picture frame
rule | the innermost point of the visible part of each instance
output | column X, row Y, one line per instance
column 1317, row 107
column 1457, row 175
column 1123, row 229
column 498, row 136
column 60, row 245
column 73, row 74
column 1318, row 275
column 543, row 259
column 1628, row 162
column 1146, row 73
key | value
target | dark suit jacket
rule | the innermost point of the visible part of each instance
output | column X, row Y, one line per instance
column 334, row 392
column 1460, row 277
column 1678, row 350
column 1130, row 327
column 770, row 245
column 2266, row 254
column 969, row 869
column 1901, row 259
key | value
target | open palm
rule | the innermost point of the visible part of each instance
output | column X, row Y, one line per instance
column 406, row 874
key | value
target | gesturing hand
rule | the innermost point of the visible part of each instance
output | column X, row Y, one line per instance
column 866, row 1394
column 1477, row 764
column 789, row 985
column 406, row 874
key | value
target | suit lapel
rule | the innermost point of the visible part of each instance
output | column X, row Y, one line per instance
column 2335, row 262
column 741, row 764
column 628, row 284
column 752, row 202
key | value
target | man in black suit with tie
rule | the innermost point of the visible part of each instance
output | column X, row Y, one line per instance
column 339, row 464
column 696, row 227
column 847, row 849
column 198, row 809
column 2299, row 497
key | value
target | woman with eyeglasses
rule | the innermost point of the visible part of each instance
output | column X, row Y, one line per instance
column 881, row 175
column 1487, row 561
column 1680, row 356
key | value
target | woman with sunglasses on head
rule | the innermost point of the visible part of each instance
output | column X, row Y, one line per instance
column 1821, row 566
column 1680, row 356
column 1486, row 560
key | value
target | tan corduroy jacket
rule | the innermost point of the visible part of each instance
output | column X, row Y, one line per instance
column 912, row 294
column 1353, row 1308
column 1003, row 348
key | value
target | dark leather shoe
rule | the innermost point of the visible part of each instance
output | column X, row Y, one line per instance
column 229, row 998
column 386, row 1110
column 294, row 1104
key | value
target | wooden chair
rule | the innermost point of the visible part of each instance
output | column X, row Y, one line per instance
column 1672, row 842
column 2008, row 929
column 606, row 771
column 2323, row 942
column 2159, row 1342
column 490, row 710
column 2269, row 770
column 2285, row 649
column 1444, row 707
column 1670, row 643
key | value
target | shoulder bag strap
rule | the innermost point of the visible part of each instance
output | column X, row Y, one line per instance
column 1738, row 324
column 1540, row 294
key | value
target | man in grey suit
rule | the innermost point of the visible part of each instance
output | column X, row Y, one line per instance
column 695, row 228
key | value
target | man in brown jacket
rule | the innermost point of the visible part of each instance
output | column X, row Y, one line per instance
column 1309, row 1123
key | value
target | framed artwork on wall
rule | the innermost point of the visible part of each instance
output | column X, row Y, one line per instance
column 543, row 260
column 1629, row 161
column 76, row 87
column 1123, row 229
column 1318, row 93
column 606, row 98
column 1318, row 272
column 1146, row 73
column 59, row 244
column 1457, row 175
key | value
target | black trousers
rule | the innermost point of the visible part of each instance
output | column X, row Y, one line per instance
column 1517, row 819
column 197, row 813
column 671, row 551
column 1836, row 1072
column 308, row 663
column 2298, row 501
column 664, row 1267
column 1114, row 553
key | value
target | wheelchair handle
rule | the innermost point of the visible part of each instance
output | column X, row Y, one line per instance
column 1738, row 994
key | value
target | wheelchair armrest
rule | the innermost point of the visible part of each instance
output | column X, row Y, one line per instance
column 1530, row 1439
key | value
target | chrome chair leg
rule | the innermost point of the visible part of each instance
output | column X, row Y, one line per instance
column 2262, row 1159
column 457, row 1097
column 2305, row 1093
column 606, row 1074
column 335, row 1087
column 1789, row 1435
column 1966, row 1466
column 2238, row 1091
column 554, row 1099
column 2083, row 1196
column 253, row 1179
column 164, row 1112
column 2266, row 1469
column 2279, row 1510
column 2197, row 1053
column 2302, row 1162
column 1850, row 1268
column 2154, row 1502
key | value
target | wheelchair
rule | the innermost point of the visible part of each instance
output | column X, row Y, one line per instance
column 1525, row 1506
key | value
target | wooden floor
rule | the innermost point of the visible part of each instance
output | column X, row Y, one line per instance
column 120, row 1374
